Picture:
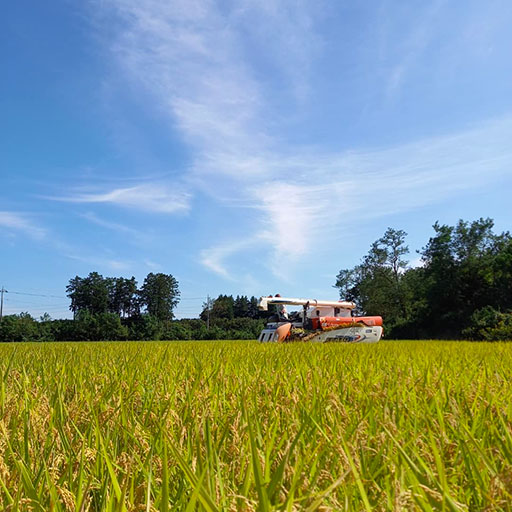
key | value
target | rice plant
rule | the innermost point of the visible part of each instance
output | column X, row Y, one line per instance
column 216, row 426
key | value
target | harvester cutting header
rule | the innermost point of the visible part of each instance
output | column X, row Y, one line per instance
column 319, row 320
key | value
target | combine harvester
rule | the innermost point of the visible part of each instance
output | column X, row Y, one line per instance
column 319, row 321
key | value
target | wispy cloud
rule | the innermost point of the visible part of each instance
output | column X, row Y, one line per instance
column 214, row 258
column 218, row 258
column 21, row 222
column 286, row 34
column 153, row 266
column 146, row 197
column 418, row 36
column 102, row 262
column 291, row 214
column 186, row 54
column 329, row 194
column 192, row 59
column 114, row 226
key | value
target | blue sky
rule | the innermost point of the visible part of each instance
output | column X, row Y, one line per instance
column 247, row 147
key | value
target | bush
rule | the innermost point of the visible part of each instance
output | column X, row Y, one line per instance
column 109, row 327
column 488, row 324
column 20, row 327
column 102, row 326
column 144, row 327
column 176, row 331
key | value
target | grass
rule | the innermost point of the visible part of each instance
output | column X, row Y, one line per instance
column 246, row 426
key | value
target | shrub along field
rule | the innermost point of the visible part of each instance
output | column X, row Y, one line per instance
column 247, row 426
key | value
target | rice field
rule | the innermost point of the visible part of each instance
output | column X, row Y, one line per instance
column 145, row 426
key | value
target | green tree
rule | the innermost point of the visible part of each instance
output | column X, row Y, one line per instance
column 20, row 327
column 159, row 295
column 223, row 307
column 253, row 311
column 89, row 293
column 241, row 307
column 501, row 269
column 464, row 267
column 490, row 325
column 377, row 284
column 98, row 327
column 123, row 296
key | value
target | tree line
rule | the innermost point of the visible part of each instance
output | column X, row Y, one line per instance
column 95, row 294
column 116, row 308
column 462, row 289
column 229, row 307
column 110, row 327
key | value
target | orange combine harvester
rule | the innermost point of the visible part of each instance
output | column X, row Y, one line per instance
column 319, row 321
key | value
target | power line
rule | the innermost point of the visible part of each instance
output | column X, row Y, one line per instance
column 11, row 304
column 62, row 297
column 14, row 304
column 33, row 301
column 38, row 295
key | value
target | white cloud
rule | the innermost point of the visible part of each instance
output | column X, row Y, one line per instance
column 135, row 236
column 413, row 44
column 286, row 35
column 153, row 266
column 147, row 197
column 214, row 257
column 21, row 222
column 186, row 54
column 101, row 262
column 292, row 213
column 191, row 57
column 328, row 194
column 114, row 226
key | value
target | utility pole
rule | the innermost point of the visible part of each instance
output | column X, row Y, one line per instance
column 207, row 313
column 2, row 291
